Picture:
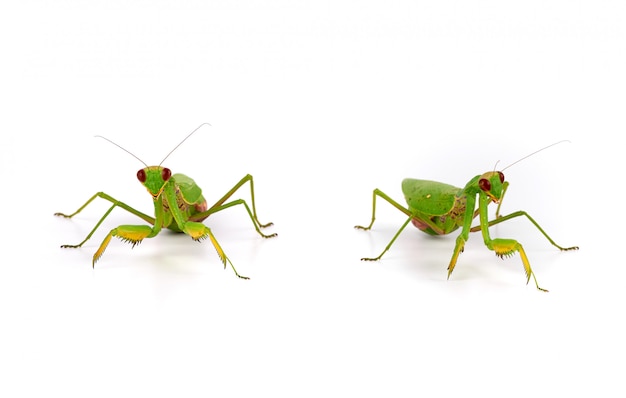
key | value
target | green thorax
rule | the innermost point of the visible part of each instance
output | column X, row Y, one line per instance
column 176, row 197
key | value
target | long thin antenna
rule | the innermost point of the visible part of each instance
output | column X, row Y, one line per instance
column 184, row 139
column 123, row 149
column 495, row 165
column 537, row 151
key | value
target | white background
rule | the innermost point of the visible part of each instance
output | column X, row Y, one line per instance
column 321, row 101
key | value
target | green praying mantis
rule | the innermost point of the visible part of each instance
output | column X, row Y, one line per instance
column 178, row 205
column 433, row 207
column 439, row 209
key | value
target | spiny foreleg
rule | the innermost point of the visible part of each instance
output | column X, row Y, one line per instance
column 198, row 232
column 508, row 247
column 132, row 234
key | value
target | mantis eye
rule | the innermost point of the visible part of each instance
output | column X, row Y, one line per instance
column 141, row 175
column 501, row 176
column 166, row 174
column 484, row 184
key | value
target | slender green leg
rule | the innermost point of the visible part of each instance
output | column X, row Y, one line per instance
column 216, row 209
column 219, row 205
column 116, row 203
column 500, row 219
column 390, row 243
column 523, row 213
column 378, row 192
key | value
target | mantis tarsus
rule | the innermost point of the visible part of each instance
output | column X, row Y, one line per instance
column 178, row 206
column 439, row 209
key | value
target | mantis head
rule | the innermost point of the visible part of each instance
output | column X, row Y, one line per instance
column 154, row 178
column 492, row 183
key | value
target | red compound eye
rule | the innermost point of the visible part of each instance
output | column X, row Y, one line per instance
column 166, row 174
column 141, row 175
column 484, row 184
column 501, row 176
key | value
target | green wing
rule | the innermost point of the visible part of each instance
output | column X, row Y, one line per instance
column 429, row 197
column 190, row 191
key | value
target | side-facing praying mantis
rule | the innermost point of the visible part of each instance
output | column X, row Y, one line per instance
column 178, row 206
column 439, row 209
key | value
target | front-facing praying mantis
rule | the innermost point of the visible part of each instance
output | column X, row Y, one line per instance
column 439, row 209
column 178, row 206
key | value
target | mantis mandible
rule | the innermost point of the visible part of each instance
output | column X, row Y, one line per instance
column 178, row 205
column 439, row 209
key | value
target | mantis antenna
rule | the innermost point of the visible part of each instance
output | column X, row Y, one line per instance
column 184, row 139
column 495, row 165
column 123, row 149
column 144, row 163
column 534, row 153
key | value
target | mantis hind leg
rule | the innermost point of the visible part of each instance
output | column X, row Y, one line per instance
column 390, row 243
column 116, row 203
column 375, row 193
column 378, row 192
column 219, row 206
column 523, row 213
